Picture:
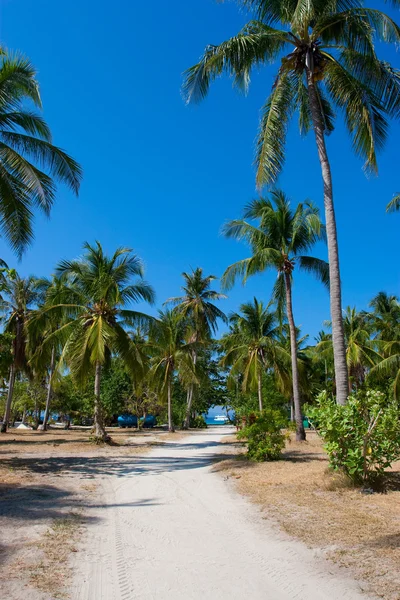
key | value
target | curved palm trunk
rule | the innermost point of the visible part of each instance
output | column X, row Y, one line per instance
column 339, row 349
column 190, row 393
column 9, row 399
column 98, row 425
column 260, row 398
column 170, row 423
column 49, row 391
column 300, row 432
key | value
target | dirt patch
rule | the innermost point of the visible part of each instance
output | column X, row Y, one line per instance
column 356, row 530
column 48, row 483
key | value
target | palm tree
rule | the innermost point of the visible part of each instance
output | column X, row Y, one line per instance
column 361, row 351
column 394, row 204
column 284, row 376
column 326, row 55
column 170, row 354
column 98, row 289
column 19, row 299
column 279, row 241
column 198, row 308
column 385, row 316
column 41, row 324
column 251, row 346
column 26, row 149
column 385, row 323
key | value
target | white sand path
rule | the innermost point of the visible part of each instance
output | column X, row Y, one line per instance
column 172, row 529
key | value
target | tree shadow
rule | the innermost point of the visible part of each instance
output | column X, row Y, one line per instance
column 391, row 541
column 299, row 456
column 392, row 481
column 34, row 503
column 89, row 467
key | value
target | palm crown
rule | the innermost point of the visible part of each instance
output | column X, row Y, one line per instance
column 26, row 149
column 280, row 240
column 251, row 346
column 20, row 299
column 98, row 288
column 197, row 303
column 331, row 40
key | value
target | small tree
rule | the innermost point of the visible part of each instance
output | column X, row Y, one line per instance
column 362, row 438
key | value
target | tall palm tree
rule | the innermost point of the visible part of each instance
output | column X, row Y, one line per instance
column 278, row 242
column 170, row 354
column 198, row 308
column 30, row 164
column 98, row 288
column 326, row 56
column 251, row 346
column 20, row 298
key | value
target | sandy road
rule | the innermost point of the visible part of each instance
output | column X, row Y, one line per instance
column 169, row 528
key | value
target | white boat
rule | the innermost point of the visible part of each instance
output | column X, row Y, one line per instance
column 221, row 419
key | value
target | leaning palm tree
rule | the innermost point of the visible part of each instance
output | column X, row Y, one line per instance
column 278, row 242
column 198, row 308
column 94, row 315
column 251, row 347
column 170, row 354
column 326, row 55
column 30, row 164
column 20, row 298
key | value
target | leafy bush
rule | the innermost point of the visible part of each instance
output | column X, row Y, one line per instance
column 198, row 422
column 264, row 436
column 362, row 438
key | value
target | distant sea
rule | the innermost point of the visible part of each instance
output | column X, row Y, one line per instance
column 218, row 411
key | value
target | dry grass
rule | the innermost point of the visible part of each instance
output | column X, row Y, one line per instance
column 53, row 573
column 320, row 508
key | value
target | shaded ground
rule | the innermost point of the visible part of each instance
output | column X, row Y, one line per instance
column 352, row 529
column 49, row 484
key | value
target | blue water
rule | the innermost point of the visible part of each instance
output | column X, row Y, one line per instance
column 218, row 411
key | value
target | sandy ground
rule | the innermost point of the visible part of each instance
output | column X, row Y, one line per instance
column 50, row 484
column 168, row 527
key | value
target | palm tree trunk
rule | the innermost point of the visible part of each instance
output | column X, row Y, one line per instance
column 190, row 392
column 339, row 349
column 98, row 426
column 300, row 432
column 260, row 398
column 170, row 423
column 49, row 391
column 9, row 399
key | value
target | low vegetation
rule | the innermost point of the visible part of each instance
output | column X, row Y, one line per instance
column 325, row 510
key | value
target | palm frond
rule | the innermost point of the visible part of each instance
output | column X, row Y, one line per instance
column 394, row 204
column 275, row 117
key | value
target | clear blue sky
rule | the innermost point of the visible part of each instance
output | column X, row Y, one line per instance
column 162, row 177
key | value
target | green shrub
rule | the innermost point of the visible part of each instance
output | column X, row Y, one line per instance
column 362, row 438
column 265, row 439
column 198, row 422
